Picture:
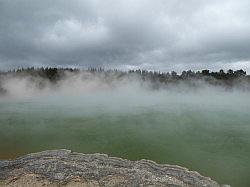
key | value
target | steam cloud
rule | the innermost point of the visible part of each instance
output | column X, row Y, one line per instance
column 114, row 93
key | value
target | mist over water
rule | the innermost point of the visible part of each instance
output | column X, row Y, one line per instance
column 205, row 128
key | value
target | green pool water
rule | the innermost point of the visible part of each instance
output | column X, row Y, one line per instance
column 209, row 134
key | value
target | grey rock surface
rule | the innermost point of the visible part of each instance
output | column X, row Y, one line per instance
column 64, row 167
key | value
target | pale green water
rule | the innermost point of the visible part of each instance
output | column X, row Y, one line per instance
column 209, row 134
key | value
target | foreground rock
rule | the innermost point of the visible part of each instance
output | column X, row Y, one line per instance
column 63, row 167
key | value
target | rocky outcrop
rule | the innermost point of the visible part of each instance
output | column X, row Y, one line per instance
column 63, row 167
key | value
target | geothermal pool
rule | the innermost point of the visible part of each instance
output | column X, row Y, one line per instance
column 204, row 131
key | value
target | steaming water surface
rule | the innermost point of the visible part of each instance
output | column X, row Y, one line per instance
column 206, row 131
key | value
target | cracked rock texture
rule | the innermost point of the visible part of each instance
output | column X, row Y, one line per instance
column 67, row 168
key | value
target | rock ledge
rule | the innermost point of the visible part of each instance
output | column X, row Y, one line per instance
column 64, row 167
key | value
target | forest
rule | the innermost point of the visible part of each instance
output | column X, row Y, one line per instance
column 228, row 79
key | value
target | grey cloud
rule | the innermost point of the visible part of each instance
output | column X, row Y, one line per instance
column 162, row 34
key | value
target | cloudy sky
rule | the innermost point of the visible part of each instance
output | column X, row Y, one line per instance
column 151, row 34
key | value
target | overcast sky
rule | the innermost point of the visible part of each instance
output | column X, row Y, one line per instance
column 151, row 34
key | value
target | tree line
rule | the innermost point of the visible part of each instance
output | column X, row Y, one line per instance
column 53, row 74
